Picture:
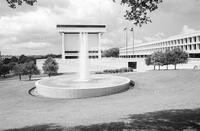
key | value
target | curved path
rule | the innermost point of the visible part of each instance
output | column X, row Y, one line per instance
column 154, row 91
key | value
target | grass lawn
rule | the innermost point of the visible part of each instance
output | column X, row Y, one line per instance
column 171, row 97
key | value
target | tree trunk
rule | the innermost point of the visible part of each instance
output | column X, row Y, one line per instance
column 20, row 77
column 49, row 75
column 167, row 67
column 174, row 66
column 154, row 67
column 29, row 77
column 159, row 67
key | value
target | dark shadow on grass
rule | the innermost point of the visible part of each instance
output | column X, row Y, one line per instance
column 46, row 127
column 169, row 120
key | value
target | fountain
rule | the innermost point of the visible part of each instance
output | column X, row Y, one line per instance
column 85, row 85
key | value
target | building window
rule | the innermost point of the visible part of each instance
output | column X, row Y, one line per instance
column 186, row 40
column 195, row 47
column 186, row 47
column 190, row 40
column 190, row 47
column 181, row 41
column 195, row 39
column 199, row 38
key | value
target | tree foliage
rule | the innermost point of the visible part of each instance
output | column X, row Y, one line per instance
column 173, row 57
column 50, row 66
column 14, row 59
column 4, row 69
column 178, row 57
column 18, row 69
column 26, row 59
column 138, row 10
column 31, row 69
column 113, row 52
column 15, row 3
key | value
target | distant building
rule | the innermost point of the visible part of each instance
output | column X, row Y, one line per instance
column 189, row 43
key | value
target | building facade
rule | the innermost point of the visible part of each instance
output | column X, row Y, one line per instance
column 75, row 36
column 189, row 43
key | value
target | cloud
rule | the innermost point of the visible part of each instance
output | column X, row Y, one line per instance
column 155, row 37
column 27, row 45
column 38, row 24
column 187, row 30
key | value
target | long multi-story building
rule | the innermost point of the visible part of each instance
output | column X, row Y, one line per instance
column 189, row 43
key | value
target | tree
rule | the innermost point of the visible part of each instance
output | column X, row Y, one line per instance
column 25, row 59
column 160, row 59
column 18, row 69
column 31, row 69
column 148, row 60
column 15, row 3
column 113, row 52
column 167, row 58
column 138, row 10
column 4, row 69
column 22, row 59
column 14, row 59
column 11, row 65
column 174, row 57
column 178, row 57
column 154, row 60
column 6, row 61
column 50, row 66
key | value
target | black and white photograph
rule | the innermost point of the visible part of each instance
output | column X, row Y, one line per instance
column 99, row 65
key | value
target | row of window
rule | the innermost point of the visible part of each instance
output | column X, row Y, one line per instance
column 171, row 42
column 183, row 47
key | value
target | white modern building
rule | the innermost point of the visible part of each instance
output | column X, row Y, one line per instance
column 189, row 43
column 72, row 35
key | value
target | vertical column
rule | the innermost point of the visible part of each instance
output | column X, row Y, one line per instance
column 83, row 57
column 63, row 45
column 192, row 47
column 126, row 42
column 99, row 46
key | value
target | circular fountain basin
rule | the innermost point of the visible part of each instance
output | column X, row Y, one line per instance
column 67, row 86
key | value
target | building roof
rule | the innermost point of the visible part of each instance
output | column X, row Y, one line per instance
column 81, row 26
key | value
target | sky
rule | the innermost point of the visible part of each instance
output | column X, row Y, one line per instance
column 31, row 30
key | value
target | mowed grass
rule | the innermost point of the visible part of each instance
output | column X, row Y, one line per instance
column 161, row 100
